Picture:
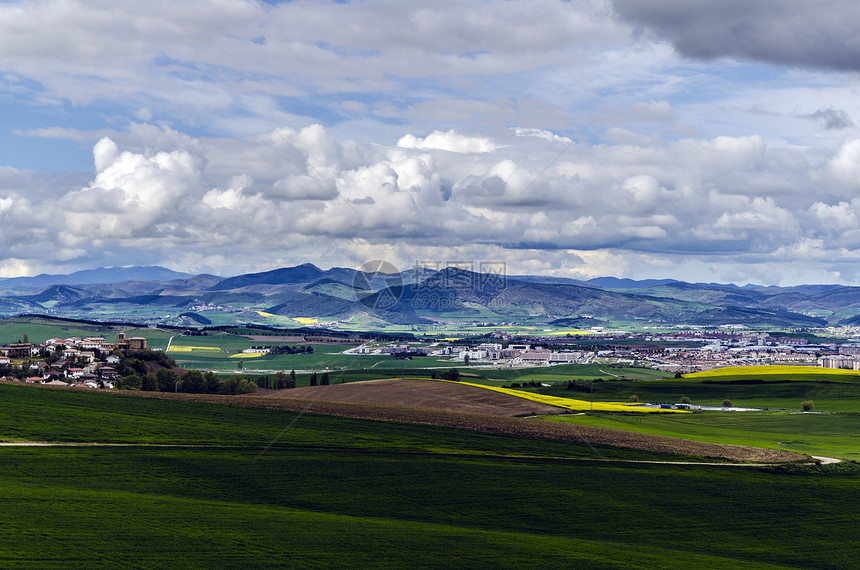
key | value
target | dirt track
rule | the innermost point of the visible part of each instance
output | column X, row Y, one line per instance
column 444, row 410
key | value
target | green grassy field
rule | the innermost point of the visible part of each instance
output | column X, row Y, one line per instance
column 833, row 433
column 555, row 375
column 561, row 373
column 39, row 329
column 829, row 435
column 828, row 396
column 331, row 492
column 324, row 357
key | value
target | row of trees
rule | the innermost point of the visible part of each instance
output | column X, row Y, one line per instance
column 278, row 381
column 274, row 350
column 322, row 381
column 189, row 382
column 452, row 374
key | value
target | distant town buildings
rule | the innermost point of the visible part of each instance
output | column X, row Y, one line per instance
column 671, row 351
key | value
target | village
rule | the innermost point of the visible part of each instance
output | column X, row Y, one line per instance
column 82, row 362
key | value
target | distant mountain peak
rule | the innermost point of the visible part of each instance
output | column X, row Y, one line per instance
column 627, row 283
column 304, row 273
column 99, row 275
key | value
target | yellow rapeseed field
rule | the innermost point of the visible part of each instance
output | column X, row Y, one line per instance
column 180, row 348
column 762, row 370
column 248, row 355
column 265, row 314
column 570, row 403
column 306, row 320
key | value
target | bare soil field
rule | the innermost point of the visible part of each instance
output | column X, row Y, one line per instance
column 423, row 394
column 391, row 400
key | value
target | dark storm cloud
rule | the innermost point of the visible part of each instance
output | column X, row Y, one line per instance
column 806, row 33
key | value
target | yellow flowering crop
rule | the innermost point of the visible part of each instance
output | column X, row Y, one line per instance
column 180, row 348
column 570, row 403
column 776, row 369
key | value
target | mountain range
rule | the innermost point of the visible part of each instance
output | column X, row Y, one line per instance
column 156, row 294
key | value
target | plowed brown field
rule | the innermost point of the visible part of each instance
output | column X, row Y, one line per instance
column 467, row 407
column 423, row 394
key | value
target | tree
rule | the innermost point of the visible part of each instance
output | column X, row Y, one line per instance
column 166, row 380
column 192, row 382
column 466, row 360
column 314, row 379
column 452, row 374
column 807, row 406
column 324, row 379
column 293, row 378
column 149, row 382
column 280, row 381
column 634, row 399
column 130, row 382
column 237, row 385
column 686, row 400
column 212, row 384
column 727, row 403
column 132, row 366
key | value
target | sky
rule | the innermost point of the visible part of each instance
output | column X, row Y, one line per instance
column 702, row 140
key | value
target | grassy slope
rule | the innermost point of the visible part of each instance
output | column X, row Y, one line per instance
column 61, row 415
column 335, row 492
column 815, row 434
column 828, row 397
column 559, row 374
column 836, row 433
column 320, row 509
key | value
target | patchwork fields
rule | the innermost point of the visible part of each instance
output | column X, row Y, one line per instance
column 362, row 475
column 227, row 486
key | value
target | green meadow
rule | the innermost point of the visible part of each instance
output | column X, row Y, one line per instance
column 39, row 329
column 564, row 372
column 833, row 430
column 204, row 485
column 324, row 357
column 829, row 435
column 828, row 396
